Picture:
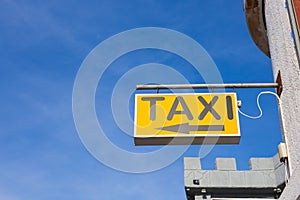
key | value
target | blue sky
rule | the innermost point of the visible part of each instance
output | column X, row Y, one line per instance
column 42, row 46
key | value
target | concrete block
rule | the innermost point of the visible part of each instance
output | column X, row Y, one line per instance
column 203, row 177
column 280, row 174
column 202, row 197
column 264, row 173
column 237, row 178
column 219, row 178
column 188, row 177
column 276, row 161
column 225, row 164
column 269, row 178
column 192, row 163
column 254, row 179
column 199, row 197
column 261, row 163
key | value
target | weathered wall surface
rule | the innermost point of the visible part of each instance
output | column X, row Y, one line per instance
column 284, row 59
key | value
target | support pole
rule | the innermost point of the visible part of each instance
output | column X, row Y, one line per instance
column 204, row 86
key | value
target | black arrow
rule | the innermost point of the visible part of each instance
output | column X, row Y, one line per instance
column 186, row 128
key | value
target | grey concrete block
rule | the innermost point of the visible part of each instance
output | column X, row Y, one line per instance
column 264, row 178
column 261, row 163
column 188, row 177
column 201, row 197
column 237, row 179
column 264, row 174
column 269, row 178
column 280, row 174
column 203, row 177
column 254, row 179
column 276, row 161
column 192, row 163
column 219, row 178
column 225, row 164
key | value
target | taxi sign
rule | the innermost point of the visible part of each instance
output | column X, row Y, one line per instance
column 198, row 118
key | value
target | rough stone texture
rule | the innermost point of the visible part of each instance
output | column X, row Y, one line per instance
column 283, row 55
column 291, row 191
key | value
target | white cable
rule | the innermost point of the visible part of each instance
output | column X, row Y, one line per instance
column 286, row 175
column 286, row 171
column 258, row 105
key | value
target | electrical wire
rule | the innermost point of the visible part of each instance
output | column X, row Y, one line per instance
column 259, row 116
column 286, row 171
column 258, row 105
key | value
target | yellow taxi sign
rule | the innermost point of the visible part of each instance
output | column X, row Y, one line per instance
column 198, row 118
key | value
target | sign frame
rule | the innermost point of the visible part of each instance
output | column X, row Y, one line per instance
column 187, row 139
